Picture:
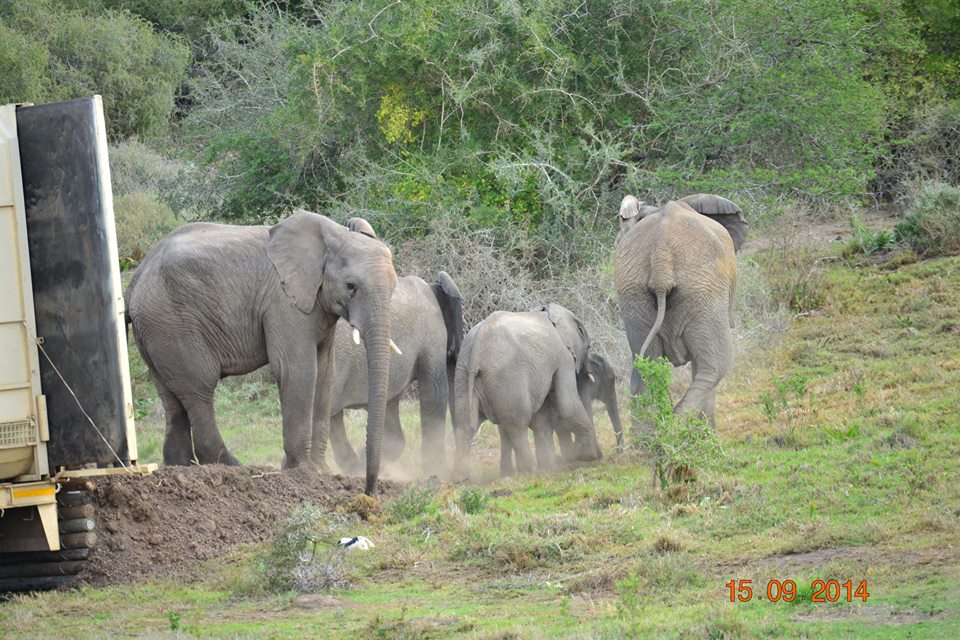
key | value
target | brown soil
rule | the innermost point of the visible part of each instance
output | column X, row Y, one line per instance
column 167, row 524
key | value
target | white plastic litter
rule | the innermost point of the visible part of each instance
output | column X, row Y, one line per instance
column 357, row 542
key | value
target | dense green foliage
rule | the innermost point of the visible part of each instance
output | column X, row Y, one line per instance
column 48, row 53
column 535, row 115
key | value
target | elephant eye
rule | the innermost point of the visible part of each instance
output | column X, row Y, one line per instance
column 351, row 289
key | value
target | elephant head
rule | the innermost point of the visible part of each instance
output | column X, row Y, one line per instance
column 716, row 208
column 349, row 275
column 631, row 212
column 572, row 332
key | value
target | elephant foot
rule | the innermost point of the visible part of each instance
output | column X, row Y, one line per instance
column 289, row 462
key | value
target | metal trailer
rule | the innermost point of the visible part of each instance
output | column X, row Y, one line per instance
column 66, row 410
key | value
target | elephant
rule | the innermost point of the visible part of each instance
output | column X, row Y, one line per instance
column 598, row 381
column 213, row 300
column 427, row 325
column 519, row 370
column 675, row 271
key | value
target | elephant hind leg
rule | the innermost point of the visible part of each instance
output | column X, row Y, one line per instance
column 177, row 445
column 542, row 424
column 506, row 454
column 516, row 435
column 701, row 395
column 207, row 441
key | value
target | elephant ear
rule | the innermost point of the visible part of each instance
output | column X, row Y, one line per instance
column 298, row 248
column 723, row 211
column 569, row 335
column 359, row 225
column 451, row 306
column 630, row 207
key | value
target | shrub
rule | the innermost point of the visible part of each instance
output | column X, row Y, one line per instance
column 296, row 561
column 141, row 220
column 932, row 224
column 87, row 51
column 473, row 500
column 867, row 242
column 680, row 444
column 414, row 501
column 795, row 276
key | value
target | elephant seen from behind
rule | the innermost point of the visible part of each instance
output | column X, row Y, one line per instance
column 519, row 370
column 213, row 300
column 675, row 270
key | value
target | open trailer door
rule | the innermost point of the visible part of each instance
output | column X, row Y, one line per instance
column 66, row 410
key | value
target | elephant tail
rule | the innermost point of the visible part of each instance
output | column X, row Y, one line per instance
column 465, row 416
column 661, row 294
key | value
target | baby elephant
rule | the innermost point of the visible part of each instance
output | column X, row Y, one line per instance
column 598, row 381
column 509, row 365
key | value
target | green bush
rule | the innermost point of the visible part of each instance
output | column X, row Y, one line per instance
column 931, row 226
column 472, row 500
column 88, row 51
column 141, row 220
column 413, row 502
column 867, row 242
column 303, row 555
column 680, row 444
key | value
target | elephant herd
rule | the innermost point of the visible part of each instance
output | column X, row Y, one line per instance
column 321, row 304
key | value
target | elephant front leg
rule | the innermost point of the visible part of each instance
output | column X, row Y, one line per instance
column 343, row 453
column 320, row 430
column 573, row 416
column 394, row 441
column 297, row 382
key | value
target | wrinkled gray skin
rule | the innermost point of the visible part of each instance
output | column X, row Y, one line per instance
column 720, row 209
column 509, row 365
column 212, row 300
column 596, row 380
column 675, row 272
column 427, row 326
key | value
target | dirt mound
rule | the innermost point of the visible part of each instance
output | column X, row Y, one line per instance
column 165, row 524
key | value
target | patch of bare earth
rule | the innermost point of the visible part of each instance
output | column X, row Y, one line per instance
column 167, row 524
column 875, row 614
column 818, row 232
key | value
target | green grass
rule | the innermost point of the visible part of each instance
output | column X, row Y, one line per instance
column 866, row 487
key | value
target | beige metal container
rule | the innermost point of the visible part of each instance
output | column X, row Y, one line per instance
column 23, row 428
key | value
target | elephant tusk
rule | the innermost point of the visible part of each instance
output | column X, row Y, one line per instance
column 591, row 378
column 395, row 348
column 356, row 336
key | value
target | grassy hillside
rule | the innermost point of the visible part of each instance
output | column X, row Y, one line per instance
column 854, row 478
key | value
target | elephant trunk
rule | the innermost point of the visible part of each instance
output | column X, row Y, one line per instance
column 614, row 411
column 377, row 342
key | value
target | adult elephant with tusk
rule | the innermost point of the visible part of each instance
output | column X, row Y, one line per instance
column 213, row 300
column 427, row 322
column 675, row 270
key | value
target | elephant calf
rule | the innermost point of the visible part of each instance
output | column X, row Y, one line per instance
column 427, row 326
column 519, row 370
